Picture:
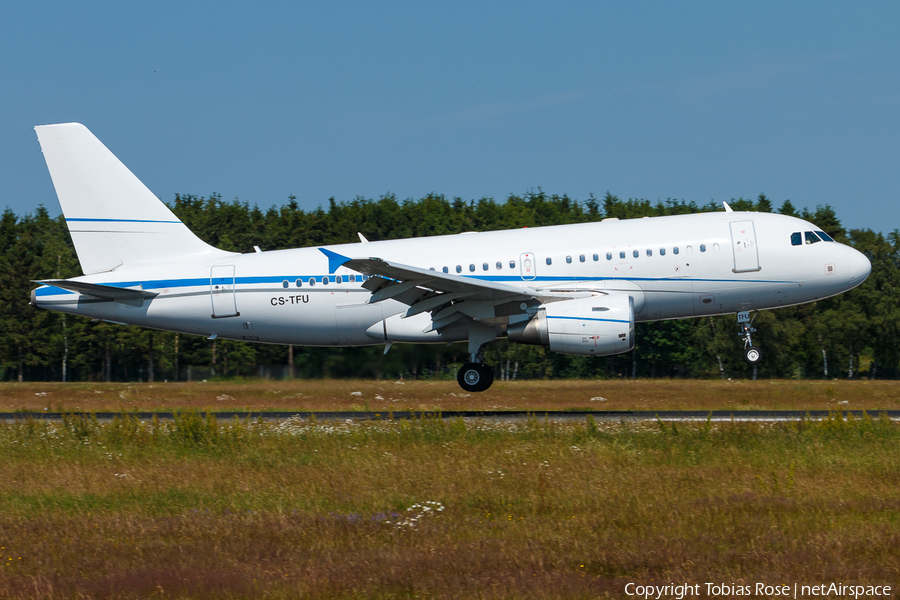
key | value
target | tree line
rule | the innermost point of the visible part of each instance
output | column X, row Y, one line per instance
column 854, row 335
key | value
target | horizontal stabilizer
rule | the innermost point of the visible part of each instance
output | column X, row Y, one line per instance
column 107, row 292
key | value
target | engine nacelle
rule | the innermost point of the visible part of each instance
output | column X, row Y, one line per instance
column 599, row 325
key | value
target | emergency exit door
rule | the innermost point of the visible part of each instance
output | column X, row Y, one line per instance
column 527, row 266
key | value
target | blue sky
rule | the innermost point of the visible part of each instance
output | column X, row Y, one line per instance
column 696, row 101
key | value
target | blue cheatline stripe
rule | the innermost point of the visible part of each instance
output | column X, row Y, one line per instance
column 589, row 319
column 204, row 281
column 50, row 290
column 601, row 278
column 121, row 221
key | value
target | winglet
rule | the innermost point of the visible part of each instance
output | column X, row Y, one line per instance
column 362, row 238
column 727, row 208
column 335, row 260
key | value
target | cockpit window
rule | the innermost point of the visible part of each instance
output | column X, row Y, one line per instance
column 825, row 237
column 796, row 239
column 811, row 238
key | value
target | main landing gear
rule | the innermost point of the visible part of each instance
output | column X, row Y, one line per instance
column 475, row 377
column 752, row 354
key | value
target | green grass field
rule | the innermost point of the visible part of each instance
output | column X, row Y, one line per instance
column 435, row 509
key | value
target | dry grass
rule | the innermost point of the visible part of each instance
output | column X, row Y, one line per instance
column 334, row 395
column 199, row 509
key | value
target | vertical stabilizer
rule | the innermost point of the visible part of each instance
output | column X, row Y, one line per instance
column 113, row 218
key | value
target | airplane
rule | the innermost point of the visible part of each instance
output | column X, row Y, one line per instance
column 577, row 289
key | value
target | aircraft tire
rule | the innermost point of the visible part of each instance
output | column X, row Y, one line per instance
column 473, row 377
column 752, row 356
column 488, row 377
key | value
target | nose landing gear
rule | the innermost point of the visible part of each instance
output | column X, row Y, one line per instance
column 752, row 354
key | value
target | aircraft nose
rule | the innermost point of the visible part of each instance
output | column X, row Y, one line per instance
column 858, row 266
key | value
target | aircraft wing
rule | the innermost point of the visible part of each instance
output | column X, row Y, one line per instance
column 441, row 282
column 447, row 297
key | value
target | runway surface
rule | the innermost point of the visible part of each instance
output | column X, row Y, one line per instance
column 557, row 415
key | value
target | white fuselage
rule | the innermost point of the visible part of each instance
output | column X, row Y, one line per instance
column 673, row 267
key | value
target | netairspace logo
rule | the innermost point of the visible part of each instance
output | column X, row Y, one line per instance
column 684, row 590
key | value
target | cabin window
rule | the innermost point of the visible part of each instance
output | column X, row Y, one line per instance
column 675, row 250
column 811, row 238
column 459, row 268
column 484, row 267
column 353, row 279
column 596, row 257
column 569, row 260
column 340, row 279
column 472, row 268
column 662, row 251
column 499, row 265
column 715, row 247
column 689, row 249
column 825, row 237
column 325, row 281
column 429, row 268
column 622, row 254
column 549, row 261
column 796, row 238
column 609, row 256
column 636, row 253
column 649, row 252
column 312, row 281
column 285, row 283
column 445, row 270
column 702, row 247
column 299, row 283
column 581, row 258
column 512, row 264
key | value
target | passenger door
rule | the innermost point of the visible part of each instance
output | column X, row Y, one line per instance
column 743, row 244
column 221, row 290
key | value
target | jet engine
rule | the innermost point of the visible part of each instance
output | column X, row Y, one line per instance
column 599, row 325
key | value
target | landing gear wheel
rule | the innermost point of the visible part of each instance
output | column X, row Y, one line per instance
column 474, row 377
column 752, row 355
